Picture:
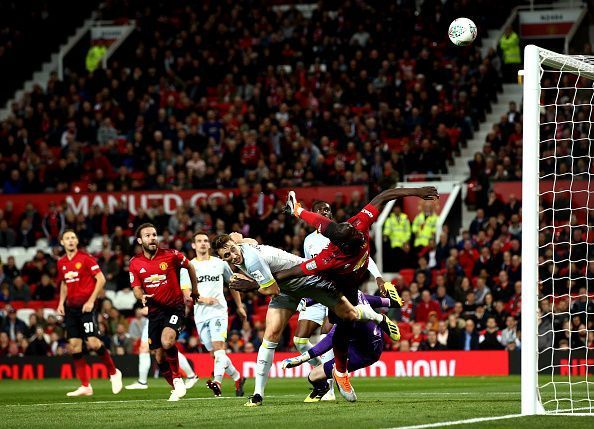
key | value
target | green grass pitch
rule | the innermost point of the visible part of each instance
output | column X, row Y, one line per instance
column 383, row 403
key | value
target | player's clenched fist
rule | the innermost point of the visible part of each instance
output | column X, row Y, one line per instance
column 243, row 283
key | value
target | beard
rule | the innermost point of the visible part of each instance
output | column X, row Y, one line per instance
column 148, row 248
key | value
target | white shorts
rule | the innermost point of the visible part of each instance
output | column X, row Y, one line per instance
column 144, row 336
column 316, row 313
column 212, row 330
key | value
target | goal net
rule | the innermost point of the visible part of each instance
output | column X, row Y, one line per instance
column 558, row 234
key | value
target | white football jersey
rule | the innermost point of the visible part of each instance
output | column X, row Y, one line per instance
column 261, row 262
column 212, row 274
column 314, row 243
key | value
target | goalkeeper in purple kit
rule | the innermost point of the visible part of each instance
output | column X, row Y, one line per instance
column 365, row 348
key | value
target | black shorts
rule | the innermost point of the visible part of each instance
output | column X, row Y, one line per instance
column 79, row 324
column 162, row 318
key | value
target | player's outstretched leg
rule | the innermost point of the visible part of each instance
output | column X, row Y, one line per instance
column 320, row 388
column 390, row 328
column 115, row 375
column 144, row 366
column 191, row 377
column 80, row 365
column 265, row 358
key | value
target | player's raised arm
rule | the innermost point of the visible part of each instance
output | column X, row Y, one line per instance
column 319, row 222
column 426, row 193
column 289, row 273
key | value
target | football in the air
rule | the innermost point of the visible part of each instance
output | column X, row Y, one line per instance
column 462, row 31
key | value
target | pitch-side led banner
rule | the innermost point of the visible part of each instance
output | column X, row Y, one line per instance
column 547, row 24
column 391, row 364
column 170, row 200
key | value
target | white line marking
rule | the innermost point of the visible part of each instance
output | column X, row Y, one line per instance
column 460, row 422
column 137, row 400
column 233, row 397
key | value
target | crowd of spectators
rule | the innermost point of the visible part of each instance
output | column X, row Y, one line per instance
column 208, row 96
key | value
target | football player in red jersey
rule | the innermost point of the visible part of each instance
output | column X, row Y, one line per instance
column 154, row 277
column 81, row 280
column 345, row 261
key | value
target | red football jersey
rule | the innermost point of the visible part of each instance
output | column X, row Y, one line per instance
column 338, row 266
column 79, row 274
column 159, row 276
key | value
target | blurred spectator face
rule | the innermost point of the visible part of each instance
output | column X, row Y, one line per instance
column 249, row 348
column 405, row 294
column 480, row 312
column 452, row 321
column 431, row 337
column 441, row 291
column 511, row 346
column 426, row 296
column 502, row 277
column 458, row 309
column 470, row 326
column 510, row 322
column 442, row 327
column 121, row 329
column 564, row 344
column 491, row 323
column 404, row 346
column 416, row 329
column 470, row 298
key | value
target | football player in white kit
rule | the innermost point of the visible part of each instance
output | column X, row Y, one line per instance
column 144, row 361
column 210, row 312
column 312, row 317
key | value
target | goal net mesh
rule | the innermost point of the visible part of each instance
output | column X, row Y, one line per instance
column 566, row 234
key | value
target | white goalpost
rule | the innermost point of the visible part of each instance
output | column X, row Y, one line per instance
column 557, row 234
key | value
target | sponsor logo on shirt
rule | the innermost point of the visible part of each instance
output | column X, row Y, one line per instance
column 257, row 275
column 368, row 213
column 163, row 266
column 311, row 265
column 361, row 262
column 207, row 278
column 70, row 275
column 154, row 280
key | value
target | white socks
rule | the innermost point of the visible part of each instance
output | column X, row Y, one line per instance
column 265, row 357
column 367, row 313
column 185, row 365
column 144, row 366
column 303, row 345
column 222, row 365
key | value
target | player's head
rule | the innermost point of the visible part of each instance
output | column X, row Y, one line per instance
column 344, row 235
column 69, row 240
column 146, row 236
column 200, row 243
column 226, row 249
column 323, row 208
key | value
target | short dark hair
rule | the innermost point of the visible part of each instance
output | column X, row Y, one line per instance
column 143, row 226
column 66, row 231
column 220, row 241
column 197, row 233
column 344, row 236
column 317, row 204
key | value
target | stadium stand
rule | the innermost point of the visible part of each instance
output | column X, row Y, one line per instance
column 206, row 96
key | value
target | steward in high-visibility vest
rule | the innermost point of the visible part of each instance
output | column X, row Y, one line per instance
column 510, row 47
column 94, row 56
column 425, row 225
column 397, row 228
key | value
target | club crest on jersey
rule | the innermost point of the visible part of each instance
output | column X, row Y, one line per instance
column 311, row 265
column 163, row 266
column 78, row 265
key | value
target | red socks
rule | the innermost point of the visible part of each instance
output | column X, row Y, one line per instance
column 82, row 370
column 105, row 356
column 173, row 361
